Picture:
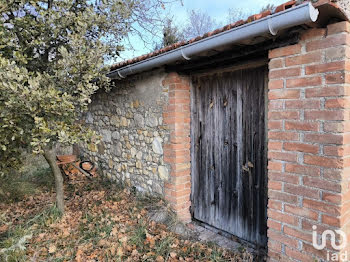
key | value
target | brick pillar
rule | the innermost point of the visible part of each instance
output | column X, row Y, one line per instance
column 176, row 117
column 309, row 143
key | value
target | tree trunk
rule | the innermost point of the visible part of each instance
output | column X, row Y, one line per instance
column 50, row 157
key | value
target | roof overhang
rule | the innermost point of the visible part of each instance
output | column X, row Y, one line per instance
column 256, row 31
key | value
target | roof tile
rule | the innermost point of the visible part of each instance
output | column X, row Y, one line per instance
column 251, row 18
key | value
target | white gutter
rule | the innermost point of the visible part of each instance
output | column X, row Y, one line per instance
column 295, row 16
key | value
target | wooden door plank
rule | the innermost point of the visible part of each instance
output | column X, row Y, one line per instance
column 229, row 152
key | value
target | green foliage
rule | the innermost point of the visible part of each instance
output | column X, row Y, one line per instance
column 52, row 60
column 171, row 34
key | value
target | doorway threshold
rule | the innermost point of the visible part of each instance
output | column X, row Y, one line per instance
column 207, row 233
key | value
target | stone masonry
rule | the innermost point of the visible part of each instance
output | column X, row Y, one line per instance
column 130, row 120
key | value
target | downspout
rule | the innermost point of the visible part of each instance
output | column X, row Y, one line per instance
column 295, row 16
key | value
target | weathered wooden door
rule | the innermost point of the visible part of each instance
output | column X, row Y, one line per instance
column 229, row 162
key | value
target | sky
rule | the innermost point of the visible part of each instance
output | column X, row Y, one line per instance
column 217, row 9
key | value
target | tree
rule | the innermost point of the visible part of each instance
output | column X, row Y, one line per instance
column 235, row 15
column 52, row 57
column 198, row 23
column 268, row 7
column 171, row 34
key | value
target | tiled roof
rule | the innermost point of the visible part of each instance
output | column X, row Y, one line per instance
column 251, row 18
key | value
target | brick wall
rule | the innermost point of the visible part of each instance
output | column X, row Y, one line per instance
column 309, row 142
column 177, row 152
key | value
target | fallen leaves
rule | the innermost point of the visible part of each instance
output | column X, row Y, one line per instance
column 103, row 225
column 3, row 228
column 78, row 255
column 52, row 249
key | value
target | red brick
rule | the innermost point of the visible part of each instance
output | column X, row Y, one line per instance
column 324, row 91
column 308, row 58
column 284, row 94
column 329, row 220
column 321, row 183
column 175, row 100
column 301, row 126
column 274, row 125
column 274, row 185
column 321, row 206
column 330, row 41
column 284, row 177
column 304, row 82
column 324, row 115
column 176, row 146
column 336, row 150
column 337, row 127
column 290, row 157
column 276, row 166
column 283, row 115
column 302, row 191
column 303, row 170
column 333, row 174
column 300, row 147
column 298, row 255
column 323, row 161
column 283, row 73
column 277, row 236
column 337, row 103
column 325, row 68
column 284, row 218
column 276, row 63
column 338, row 28
column 314, row 33
column 176, row 152
column 275, row 246
column 273, row 204
column 276, row 84
column 345, row 197
column 337, row 78
column 275, row 104
column 332, row 198
column 297, row 233
column 323, row 138
column 285, row 51
column 181, row 193
column 287, row 198
column 299, row 211
column 289, row 136
column 179, row 93
column 309, row 249
column 302, row 104
column 307, row 226
column 337, row 53
column 274, row 145
column 273, row 224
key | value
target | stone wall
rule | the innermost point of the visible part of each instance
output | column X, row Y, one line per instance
column 130, row 120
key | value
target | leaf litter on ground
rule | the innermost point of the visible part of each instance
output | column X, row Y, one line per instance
column 102, row 222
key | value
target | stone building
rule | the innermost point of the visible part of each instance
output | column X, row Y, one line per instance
column 246, row 128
